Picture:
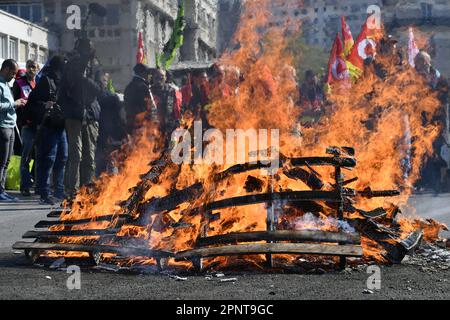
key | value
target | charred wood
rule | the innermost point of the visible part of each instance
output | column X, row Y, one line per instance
column 281, row 235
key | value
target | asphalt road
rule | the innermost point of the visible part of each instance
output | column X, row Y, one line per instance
column 19, row 280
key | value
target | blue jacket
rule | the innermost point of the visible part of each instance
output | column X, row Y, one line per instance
column 8, row 115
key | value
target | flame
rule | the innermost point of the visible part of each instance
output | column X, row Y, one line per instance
column 374, row 117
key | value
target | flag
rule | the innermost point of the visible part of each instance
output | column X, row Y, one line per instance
column 110, row 86
column 140, row 54
column 364, row 48
column 165, row 59
column 337, row 68
column 413, row 50
column 347, row 36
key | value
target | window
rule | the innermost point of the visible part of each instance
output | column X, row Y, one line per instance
column 42, row 58
column 33, row 50
column 113, row 16
column 23, row 52
column 36, row 13
column 426, row 11
column 13, row 9
column 3, row 53
column 25, row 12
column 31, row 11
column 12, row 49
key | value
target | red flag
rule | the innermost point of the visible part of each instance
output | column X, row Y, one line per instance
column 365, row 47
column 337, row 68
column 140, row 54
column 347, row 36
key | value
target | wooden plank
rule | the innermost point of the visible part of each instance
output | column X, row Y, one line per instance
column 281, row 235
column 304, row 161
column 57, row 213
column 273, row 248
column 46, row 224
column 68, row 233
column 173, row 200
column 73, row 247
column 294, row 196
column 324, row 161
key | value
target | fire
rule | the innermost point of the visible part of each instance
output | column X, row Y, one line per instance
column 373, row 117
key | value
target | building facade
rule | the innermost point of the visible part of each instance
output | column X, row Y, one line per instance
column 228, row 15
column 23, row 40
column 116, row 36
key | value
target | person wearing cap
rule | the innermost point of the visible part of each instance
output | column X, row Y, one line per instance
column 137, row 96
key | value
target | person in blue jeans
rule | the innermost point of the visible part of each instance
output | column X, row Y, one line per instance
column 51, row 156
column 8, row 119
column 51, row 138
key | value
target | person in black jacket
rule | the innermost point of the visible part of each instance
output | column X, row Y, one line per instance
column 51, row 140
column 137, row 96
column 113, row 126
column 78, row 99
column 21, row 90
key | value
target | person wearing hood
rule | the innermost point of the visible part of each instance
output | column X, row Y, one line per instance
column 51, row 138
column 79, row 102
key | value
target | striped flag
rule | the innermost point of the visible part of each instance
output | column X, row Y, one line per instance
column 364, row 48
column 337, row 68
column 413, row 50
column 140, row 54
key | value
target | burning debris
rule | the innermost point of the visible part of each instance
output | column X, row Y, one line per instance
column 311, row 232
column 159, row 213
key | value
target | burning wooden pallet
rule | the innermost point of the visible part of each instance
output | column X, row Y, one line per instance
column 269, row 242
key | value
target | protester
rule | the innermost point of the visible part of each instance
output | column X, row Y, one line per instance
column 8, row 119
column 51, row 139
column 78, row 99
column 219, row 88
column 186, row 92
column 21, row 89
column 113, row 126
column 200, row 97
column 311, row 98
column 137, row 98
column 168, row 105
column 435, row 173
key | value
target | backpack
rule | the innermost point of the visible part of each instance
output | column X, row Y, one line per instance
column 55, row 117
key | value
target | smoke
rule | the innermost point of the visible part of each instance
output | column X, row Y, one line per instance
column 311, row 222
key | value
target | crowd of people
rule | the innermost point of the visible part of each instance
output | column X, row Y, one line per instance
column 72, row 125
column 69, row 126
column 435, row 174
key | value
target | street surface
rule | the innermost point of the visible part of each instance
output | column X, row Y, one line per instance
column 20, row 280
